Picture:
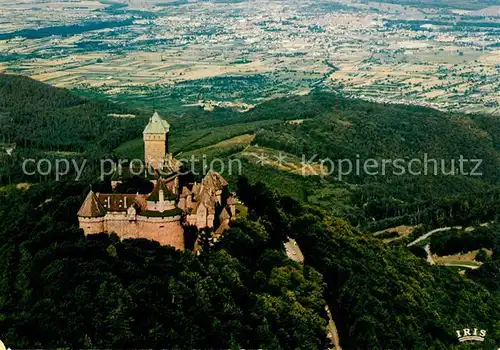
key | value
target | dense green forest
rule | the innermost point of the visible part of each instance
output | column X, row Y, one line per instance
column 462, row 241
column 382, row 296
column 48, row 122
column 37, row 116
column 62, row 290
column 336, row 128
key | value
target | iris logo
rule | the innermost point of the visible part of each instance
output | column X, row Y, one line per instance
column 468, row 334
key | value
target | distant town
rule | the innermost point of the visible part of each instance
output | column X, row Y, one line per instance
column 238, row 53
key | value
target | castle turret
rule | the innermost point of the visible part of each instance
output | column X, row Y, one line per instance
column 91, row 215
column 156, row 141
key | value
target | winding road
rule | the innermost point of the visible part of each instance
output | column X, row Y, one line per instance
column 430, row 233
column 472, row 267
column 442, row 229
column 427, row 247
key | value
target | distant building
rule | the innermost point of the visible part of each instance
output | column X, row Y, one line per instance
column 165, row 213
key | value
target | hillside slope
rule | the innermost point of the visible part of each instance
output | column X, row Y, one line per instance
column 38, row 116
column 61, row 289
column 325, row 126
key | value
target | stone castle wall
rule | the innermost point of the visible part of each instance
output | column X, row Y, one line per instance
column 166, row 231
column 91, row 225
column 161, row 206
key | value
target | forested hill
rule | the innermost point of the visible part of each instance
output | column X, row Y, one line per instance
column 327, row 126
column 331, row 127
column 59, row 289
column 38, row 116
column 48, row 122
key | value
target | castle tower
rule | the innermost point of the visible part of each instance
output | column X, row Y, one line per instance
column 91, row 215
column 156, row 141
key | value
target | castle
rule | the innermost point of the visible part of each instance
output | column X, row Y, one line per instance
column 164, row 214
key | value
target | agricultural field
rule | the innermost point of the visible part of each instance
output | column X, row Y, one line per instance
column 465, row 258
column 181, row 54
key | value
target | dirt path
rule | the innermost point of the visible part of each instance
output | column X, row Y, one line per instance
column 333, row 335
column 460, row 265
column 294, row 253
column 429, row 254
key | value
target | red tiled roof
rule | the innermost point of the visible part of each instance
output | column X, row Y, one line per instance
column 155, row 195
column 214, row 181
column 116, row 202
column 91, row 207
